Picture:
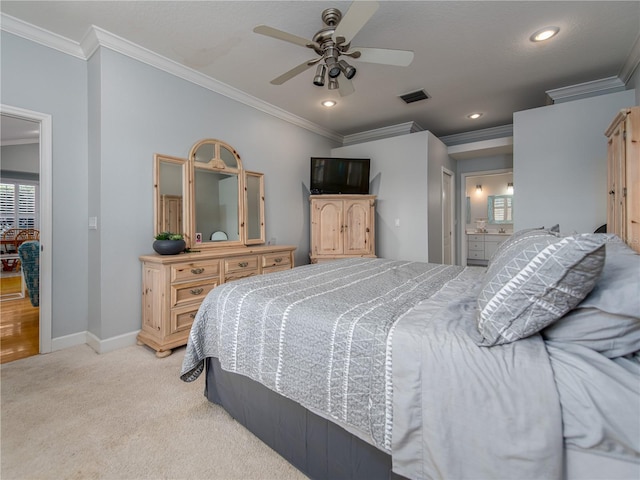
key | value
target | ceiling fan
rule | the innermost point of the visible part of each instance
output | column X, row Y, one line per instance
column 334, row 41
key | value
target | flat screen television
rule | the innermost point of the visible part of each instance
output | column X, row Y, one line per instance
column 339, row 175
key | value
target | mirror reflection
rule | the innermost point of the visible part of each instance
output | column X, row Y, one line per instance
column 254, row 203
column 170, row 182
column 216, row 205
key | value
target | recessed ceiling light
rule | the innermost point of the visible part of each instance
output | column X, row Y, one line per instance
column 473, row 116
column 544, row 34
column 329, row 103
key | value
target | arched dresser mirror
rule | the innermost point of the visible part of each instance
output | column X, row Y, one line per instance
column 218, row 191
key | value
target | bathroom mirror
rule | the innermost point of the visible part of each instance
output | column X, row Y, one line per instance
column 254, row 205
column 500, row 209
column 171, row 203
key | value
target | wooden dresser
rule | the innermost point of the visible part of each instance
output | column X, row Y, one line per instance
column 173, row 287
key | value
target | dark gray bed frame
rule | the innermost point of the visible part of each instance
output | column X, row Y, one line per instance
column 317, row 447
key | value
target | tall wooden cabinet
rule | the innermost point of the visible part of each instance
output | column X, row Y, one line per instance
column 623, row 176
column 342, row 226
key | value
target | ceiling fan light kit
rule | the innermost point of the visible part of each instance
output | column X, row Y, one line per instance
column 333, row 41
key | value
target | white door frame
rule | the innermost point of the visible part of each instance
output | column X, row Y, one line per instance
column 451, row 213
column 46, row 216
column 463, row 206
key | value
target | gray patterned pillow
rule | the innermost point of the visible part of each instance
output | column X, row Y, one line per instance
column 535, row 281
column 525, row 233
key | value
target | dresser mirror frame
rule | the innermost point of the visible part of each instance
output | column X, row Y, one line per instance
column 171, row 182
column 254, row 205
column 215, row 163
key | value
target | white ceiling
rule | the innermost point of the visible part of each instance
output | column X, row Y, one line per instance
column 469, row 56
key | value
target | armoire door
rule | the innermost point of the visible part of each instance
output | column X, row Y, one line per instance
column 328, row 227
column 357, row 227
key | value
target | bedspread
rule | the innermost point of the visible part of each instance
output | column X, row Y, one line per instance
column 317, row 334
column 468, row 412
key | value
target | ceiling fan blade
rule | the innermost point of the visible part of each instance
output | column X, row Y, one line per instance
column 400, row 58
column 293, row 72
column 345, row 86
column 358, row 14
column 280, row 35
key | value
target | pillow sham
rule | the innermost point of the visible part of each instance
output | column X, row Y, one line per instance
column 608, row 319
column 524, row 233
column 534, row 281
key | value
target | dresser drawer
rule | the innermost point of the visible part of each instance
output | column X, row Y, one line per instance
column 235, row 265
column 195, row 270
column 276, row 269
column 192, row 292
column 475, row 238
column 276, row 260
column 182, row 318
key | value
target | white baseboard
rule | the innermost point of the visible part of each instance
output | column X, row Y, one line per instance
column 67, row 341
column 100, row 346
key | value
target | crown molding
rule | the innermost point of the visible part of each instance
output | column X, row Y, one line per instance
column 595, row 87
column 384, row 132
column 25, row 30
column 482, row 148
column 19, row 141
column 97, row 37
column 503, row 131
column 633, row 60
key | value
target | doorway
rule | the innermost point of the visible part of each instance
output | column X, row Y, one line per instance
column 448, row 217
column 476, row 190
column 20, row 126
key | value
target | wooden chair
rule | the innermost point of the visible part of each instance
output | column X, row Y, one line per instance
column 27, row 234
column 9, row 250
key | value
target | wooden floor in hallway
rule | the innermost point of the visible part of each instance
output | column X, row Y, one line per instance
column 19, row 322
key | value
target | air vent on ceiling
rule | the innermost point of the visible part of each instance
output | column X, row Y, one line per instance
column 414, row 96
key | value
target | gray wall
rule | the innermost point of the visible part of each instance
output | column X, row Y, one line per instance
column 110, row 115
column 20, row 158
column 146, row 111
column 437, row 158
column 560, row 163
column 405, row 175
column 634, row 83
column 44, row 80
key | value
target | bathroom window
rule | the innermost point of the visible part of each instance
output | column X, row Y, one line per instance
column 500, row 208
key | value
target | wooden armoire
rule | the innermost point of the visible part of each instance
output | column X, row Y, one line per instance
column 623, row 176
column 342, row 226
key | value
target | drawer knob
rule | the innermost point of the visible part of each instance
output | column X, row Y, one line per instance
column 243, row 264
column 192, row 315
column 196, row 291
column 277, row 260
column 197, row 271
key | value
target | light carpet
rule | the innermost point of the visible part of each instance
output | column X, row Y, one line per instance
column 75, row 414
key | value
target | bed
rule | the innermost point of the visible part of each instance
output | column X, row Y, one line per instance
column 377, row 368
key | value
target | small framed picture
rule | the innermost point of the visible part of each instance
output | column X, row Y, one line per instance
column 198, row 238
